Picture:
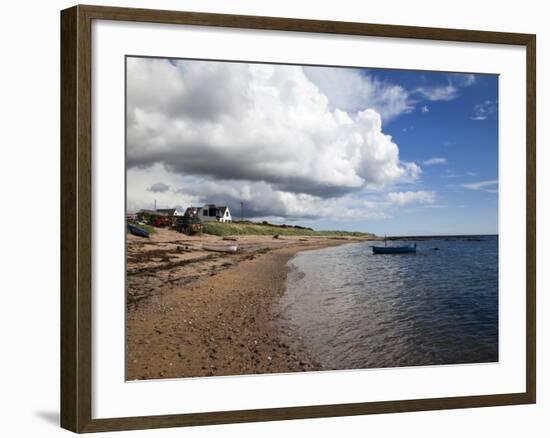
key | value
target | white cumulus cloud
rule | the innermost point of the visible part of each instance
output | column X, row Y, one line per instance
column 265, row 133
column 434, row 161
column 448, row 91
column 350, row 89
column 418, row 197
column 435, row 93
column 488, row 186
column 484, row 110
column 462, row 79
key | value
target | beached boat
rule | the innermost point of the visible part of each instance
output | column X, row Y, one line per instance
column 218, row 248
column 137, row 231
column 394, row 249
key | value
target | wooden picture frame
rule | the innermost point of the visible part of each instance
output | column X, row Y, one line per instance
column 76, row 218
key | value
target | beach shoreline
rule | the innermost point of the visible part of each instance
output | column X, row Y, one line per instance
column 195, row 313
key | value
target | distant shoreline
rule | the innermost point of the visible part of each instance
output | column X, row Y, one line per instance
column 437, row 236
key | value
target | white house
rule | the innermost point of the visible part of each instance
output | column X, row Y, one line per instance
column 171, row 212
column 211, row 212
column 167, row 211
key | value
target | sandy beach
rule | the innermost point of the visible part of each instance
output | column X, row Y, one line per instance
column 193, row 312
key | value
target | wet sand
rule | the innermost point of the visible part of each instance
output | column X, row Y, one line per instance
column 192, row 312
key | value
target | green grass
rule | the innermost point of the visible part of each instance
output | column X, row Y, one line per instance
column 258, row 229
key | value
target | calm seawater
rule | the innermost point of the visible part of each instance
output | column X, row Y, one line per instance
column 353, row 309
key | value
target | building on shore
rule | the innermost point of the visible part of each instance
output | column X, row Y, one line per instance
column 211, row 212
column 169, row 211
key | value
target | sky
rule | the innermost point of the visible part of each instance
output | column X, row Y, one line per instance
column 386, row 151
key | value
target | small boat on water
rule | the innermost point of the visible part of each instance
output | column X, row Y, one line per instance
column 406, row 249
column 137, row 231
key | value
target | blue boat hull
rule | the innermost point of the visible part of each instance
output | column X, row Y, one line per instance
column 137, row 231
column 394, row 249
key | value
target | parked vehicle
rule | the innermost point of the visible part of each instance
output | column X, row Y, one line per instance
column 190, row 223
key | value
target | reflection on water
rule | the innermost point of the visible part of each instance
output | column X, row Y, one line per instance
column 354, row 309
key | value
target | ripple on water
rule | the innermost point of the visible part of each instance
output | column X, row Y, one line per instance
column 354, row 309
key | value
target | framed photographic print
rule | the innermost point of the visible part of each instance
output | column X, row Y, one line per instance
column 270, row 218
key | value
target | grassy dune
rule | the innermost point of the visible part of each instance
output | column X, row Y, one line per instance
column 258, row 229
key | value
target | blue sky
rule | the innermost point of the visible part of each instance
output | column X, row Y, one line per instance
column 387, row 151
column 454, row 138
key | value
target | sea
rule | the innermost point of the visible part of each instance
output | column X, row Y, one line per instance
column 353, row 309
